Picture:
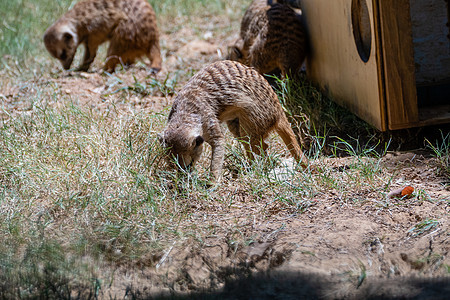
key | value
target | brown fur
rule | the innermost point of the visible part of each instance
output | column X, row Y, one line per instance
column 272, row 36
column 129, row 25
column 225, row 91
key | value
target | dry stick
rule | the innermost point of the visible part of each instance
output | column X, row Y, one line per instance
column 161, row 261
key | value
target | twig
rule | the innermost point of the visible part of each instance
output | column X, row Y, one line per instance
column 161, row 261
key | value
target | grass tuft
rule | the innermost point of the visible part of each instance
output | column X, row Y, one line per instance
column 441, row 150
column 423, row 227
column 320, row 122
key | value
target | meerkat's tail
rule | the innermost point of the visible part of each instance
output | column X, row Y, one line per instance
column 287, row 135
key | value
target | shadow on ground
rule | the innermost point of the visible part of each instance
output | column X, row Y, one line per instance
column 297, row 285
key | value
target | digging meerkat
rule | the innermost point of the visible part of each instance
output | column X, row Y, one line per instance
column 225, row 91
column 128, row 25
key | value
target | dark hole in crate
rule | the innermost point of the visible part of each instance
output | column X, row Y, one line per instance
column 430, row 33
column 362, row 31
column 429, row 95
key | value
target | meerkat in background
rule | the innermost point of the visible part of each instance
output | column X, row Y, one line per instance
column 272, row 36
column 129, row 25
column 225, row 91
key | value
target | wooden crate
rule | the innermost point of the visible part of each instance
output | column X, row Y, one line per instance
column 388, row 61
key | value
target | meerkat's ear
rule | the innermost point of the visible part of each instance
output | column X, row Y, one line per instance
column 236, row 52
column 198, row 140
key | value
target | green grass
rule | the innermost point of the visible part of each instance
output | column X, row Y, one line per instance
column 423, row 227
column 142, row 88
column 23, row 25
column 441, row 149
column 86, row 185
column 198, row 8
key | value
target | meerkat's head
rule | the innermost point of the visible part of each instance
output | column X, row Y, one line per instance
column 184, row 145
column 61, row 41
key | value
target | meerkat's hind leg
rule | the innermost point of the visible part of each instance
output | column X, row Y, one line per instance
column 155, row 58
column 254, row 145
column 241, row 135
column 129, row 57
column 125, row 59
column 115, row 55
column 258, row 145
column 112, row 59
column 284, row 130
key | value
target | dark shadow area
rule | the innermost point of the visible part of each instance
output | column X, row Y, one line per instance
column 431, row 95
column 415, row 138
column 297, row 285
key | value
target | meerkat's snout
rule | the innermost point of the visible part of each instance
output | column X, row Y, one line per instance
column 184, row 153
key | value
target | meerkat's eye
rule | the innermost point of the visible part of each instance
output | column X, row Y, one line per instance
column 198, row 141
column 67, row 37
column 63, row 55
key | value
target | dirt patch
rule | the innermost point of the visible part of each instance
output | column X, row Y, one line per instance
column 334, row 250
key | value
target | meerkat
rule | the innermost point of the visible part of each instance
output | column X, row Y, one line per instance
column 230, row 92
column 129, row 26
column 272, row 36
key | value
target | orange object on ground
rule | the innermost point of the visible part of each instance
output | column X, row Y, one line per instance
column 407, row 191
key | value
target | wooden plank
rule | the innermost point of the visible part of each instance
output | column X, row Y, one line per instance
column 398, row 58
column 335, row 63
column 380, row 63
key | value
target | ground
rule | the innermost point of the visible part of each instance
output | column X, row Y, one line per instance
column 344, row 244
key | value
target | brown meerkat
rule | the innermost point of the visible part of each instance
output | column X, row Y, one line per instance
column 272, row 36
column 225, row 91
column 129, row 26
